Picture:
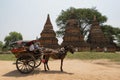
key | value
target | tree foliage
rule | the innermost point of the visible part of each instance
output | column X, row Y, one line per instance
column 111, row 32
column 12, row 37
column 1, row 45
column 83, row 15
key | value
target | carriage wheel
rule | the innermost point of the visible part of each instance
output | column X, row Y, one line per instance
column 25, row 63
column 37, row 62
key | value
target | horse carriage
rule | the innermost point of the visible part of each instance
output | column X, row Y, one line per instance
column 26, row 61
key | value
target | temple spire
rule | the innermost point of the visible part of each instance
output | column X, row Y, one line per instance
column 48, row 22
column 72, row 14
column 94, row 18
column 95, row 22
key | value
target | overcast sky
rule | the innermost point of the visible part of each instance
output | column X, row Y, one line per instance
column 28, row 16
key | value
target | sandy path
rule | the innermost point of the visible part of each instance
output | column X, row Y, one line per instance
column 73, row 70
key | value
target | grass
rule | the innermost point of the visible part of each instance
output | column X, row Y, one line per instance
column 77, row 55
column 7, row 57
column 94, row 55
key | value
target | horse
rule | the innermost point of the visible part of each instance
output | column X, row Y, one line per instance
column 56, row 54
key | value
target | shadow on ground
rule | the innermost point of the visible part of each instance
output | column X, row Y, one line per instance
column 16, row 73
column 55, row 72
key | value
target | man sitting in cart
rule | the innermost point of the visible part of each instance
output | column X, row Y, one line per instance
column 34, row 47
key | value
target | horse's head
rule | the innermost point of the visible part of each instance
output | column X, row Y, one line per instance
column 69, row 48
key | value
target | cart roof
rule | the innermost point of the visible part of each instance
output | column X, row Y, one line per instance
column 24, row 42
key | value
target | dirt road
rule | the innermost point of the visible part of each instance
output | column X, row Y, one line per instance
column 73, row 70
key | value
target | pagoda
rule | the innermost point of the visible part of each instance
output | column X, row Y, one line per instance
column 97, row 40
column 48, row 36
column 73, row 35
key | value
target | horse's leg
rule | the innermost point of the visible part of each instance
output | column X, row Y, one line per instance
column 47, row 66
column 47, row 59
column 61, row 65
column 44, row 58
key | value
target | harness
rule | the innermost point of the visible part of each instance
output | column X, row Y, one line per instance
column 61, row 52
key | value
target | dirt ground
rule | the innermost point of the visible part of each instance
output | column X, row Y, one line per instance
column 73, row 70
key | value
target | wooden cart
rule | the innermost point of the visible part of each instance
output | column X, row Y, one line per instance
column 26, row 61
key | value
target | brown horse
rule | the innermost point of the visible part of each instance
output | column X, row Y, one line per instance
column 56, row 54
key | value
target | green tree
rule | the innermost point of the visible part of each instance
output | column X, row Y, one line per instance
column 112, row 33
column 83, row 15
column 118, row 40
column 108, row 31
column 12, row 37
column 1, row 45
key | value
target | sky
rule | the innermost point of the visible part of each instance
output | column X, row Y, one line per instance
column 29, row 16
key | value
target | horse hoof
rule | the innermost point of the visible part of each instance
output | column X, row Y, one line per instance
column 61, row 70
column 45, row 70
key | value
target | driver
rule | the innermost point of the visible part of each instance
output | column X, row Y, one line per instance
column 32, row 48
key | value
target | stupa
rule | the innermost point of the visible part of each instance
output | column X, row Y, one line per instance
column 73, row 35
column 48, row 36
column 97, row 40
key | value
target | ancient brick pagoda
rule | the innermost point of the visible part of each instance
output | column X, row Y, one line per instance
column 48, row 37
column 73, row 35
column 97, row 40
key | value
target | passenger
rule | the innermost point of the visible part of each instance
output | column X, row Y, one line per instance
column 37, row 48
column 32, row 48
column 36, row 45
